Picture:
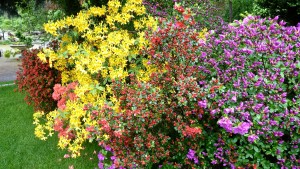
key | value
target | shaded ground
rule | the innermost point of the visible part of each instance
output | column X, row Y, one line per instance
column 8, row 67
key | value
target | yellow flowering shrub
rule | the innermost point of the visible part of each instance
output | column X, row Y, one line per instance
column 97, row 46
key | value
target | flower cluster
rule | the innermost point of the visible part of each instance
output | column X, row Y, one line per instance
column 257, row 62
column 158, row 119
column 217, row 99
column 37, row 80
column 97, row 46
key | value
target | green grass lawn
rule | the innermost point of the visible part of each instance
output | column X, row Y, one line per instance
column 19, row 148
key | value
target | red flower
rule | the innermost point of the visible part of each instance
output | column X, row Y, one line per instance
column 179, row 9
column 186, row 16
column 179, row 24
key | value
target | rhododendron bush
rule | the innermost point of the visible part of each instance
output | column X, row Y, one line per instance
column 257, row 62
column 159, row 93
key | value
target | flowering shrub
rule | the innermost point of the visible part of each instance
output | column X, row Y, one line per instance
column 158, row 120
column 183, row 99
column 97, row 46
column 37, row 79
column 230, row 101
column 257, row 107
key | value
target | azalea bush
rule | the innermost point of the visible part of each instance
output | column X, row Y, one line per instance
column 37, row 80
column 158, row 120
column 97, row 46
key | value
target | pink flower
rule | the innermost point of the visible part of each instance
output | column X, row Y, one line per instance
column 72, row 96
column 61, row 104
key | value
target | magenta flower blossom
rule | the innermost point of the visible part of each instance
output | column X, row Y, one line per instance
column 225, row 123
column 242, row 128
column 202, row 104
column 101, row 165
column 192, row 156
column 101, row 157
column 260, row 96
column 229, row 110
column 252, row 138
column 278, row 133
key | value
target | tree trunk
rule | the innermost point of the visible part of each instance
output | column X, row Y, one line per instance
column 230, row 10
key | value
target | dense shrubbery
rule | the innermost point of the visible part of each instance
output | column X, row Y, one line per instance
column 257, row 63
column 182, row 98
column 229, row 101
column 288, row 10
column 204, row 12
column 158, row 121
column 100, row 46
column 37, row 80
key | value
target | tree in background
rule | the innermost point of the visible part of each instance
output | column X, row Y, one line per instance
column 232, row 9
column 9, row 6
column 72, row 7
column 287, row 10
column 5, row 25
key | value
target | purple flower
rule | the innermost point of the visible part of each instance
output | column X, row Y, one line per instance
column 250, row 75
column 204, row 54
column 107, row 148
column 225, row 123
column 202, row 104
column 113, row 158
column 258, row 106
column 242, row 128
column 214, row 162
column 278, row 133
column 273, row 123
column 234, row 98
column 277, row 151
column 100, row 165
column 101, row 157
column 228, row 110
column 192, row 156
column 252, row 138
column 260, row 96
column 112, row 166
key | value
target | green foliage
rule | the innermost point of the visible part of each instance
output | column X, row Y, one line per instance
column 33, row 16
column 70, row 7
column 239, row 7
column 7, row 53
column 288, row 10
column 5, row 25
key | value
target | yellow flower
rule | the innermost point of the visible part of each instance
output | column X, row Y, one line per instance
column 100, row 56
column 50, row 27
column 97, row 11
